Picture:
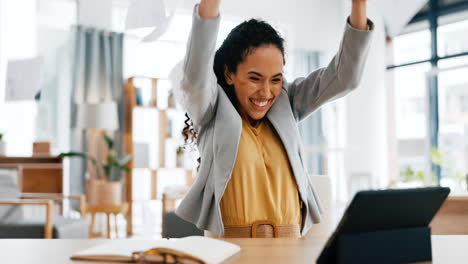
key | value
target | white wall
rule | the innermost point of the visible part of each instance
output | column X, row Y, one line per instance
column 315, row 22
column 2, row 60
column 366, row 110
column 95, row 13
column 16, row 26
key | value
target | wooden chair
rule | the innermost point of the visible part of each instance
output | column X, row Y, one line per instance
column 17, row 227
column 322, row 185
column 108, row 210
column 172, row 225
column 42, row 200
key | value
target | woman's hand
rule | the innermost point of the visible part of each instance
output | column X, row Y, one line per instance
column 358, row 18
column 209, row 8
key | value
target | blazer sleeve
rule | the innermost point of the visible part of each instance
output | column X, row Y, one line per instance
column 197, row 92
column 341, row 76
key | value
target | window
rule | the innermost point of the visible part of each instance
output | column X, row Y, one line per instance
column 29, row 28
column 410, row 93
column 453, row 35
column 450, row 2
column 433, row 114
column 415, row 45
column 453, row 122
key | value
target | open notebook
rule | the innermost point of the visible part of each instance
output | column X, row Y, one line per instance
column 207, row 249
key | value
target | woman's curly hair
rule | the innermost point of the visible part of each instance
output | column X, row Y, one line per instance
column 240, row 42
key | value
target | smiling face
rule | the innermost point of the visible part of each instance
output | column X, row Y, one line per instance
column 258, row 81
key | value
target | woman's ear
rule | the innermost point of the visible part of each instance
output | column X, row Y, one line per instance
column 228, row 76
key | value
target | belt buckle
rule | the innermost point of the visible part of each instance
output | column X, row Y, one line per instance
column 264, row 222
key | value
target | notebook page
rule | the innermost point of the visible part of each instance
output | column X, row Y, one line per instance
column 209, row 250
column 123, row 248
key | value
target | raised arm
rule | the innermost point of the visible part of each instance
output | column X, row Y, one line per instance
column 343, row 73
column 358, row 17
column 209, row 8
column 198, row 90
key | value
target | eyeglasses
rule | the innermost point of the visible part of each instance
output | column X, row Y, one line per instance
column 164, row 255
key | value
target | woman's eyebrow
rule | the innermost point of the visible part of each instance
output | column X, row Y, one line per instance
column 260, row 75
column 278, row 75
column 255, row 73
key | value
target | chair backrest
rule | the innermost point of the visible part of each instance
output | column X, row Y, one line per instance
column 176, row 227
column 9, row 189
column 322, row 186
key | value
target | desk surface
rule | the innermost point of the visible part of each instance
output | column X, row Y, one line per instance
column 446, row 249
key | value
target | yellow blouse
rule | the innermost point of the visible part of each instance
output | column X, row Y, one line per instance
column 262, row 186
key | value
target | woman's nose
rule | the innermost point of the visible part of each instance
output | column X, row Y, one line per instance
column 265, row 90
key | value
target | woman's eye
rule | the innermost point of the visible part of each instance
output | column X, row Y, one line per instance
column 254, row 78
column 276, row 80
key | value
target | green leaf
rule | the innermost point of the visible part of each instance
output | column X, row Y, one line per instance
column 436, row 157
column 95, row 162
column 73, row 154
column 81, row 155
column 111, row 157
column 125, row 160
column 107, row 169
column 180, row 150
column 109, row 141
column 420, row 176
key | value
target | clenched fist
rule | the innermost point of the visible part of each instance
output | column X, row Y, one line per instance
column 209, row 8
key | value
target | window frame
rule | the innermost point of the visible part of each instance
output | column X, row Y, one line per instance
column 436, row 10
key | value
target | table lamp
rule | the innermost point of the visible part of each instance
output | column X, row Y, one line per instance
column 98, row 116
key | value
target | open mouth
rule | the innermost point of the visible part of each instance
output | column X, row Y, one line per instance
column 260, row 104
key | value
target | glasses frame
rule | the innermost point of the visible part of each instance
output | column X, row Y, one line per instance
column 168, row 256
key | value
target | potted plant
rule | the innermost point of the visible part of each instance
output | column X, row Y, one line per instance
column 107, row 187
column 180, row 157
column 171, row 102
column 2, row 146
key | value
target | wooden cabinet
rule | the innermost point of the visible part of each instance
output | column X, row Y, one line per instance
column 37, row 174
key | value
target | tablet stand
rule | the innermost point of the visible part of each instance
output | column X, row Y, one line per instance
column 390, row 246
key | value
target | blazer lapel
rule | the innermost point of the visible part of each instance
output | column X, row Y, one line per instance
column 282, row 119
column 228, row 129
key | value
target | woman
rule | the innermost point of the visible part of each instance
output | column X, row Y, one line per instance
column 251, row 180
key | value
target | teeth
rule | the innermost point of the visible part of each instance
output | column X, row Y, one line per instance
column 260, row 103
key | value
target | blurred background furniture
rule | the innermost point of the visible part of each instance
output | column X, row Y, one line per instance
column 36, row 174
column 452, row 218
column 172, row 225
column 41, row 149
column 108, row 210
column 323, row 188
column 13, row 224
column 151, row 97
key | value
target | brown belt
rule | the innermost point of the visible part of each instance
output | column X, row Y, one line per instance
column 262, row 229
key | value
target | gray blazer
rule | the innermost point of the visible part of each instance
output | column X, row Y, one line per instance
column 219, row 125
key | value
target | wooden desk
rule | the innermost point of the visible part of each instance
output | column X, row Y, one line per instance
column 36, row 174
column 452, row 217
column 446, row 249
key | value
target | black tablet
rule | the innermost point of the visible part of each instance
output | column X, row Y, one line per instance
column 381, row 210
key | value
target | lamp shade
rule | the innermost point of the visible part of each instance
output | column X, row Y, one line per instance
column 99, row 116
